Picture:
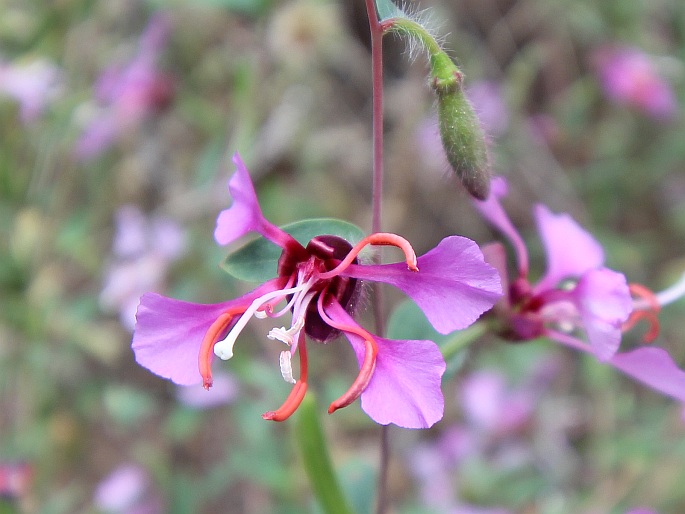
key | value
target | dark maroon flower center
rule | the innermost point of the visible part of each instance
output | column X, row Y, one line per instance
column 322, row 254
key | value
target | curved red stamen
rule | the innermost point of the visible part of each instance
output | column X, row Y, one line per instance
column 362, row 380
column 366, row 369
column 204, row 358
column 298, row 391
column 377, row 239
column 648, row 313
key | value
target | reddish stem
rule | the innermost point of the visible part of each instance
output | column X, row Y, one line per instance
column 376, row 225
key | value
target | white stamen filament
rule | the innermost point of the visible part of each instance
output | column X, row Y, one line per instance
column 268, row 310
column 224, row 349
column 672, row 293
column 286, row 366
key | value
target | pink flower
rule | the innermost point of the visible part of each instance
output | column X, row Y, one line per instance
column 34, row 84
column 128, row 490
column 630, row 77
column 578, row 302
column 127, row 94
column 16, row 479
column 398, row 381
column 491, row 406
column 143, row 250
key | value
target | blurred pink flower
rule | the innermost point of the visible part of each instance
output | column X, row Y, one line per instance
column 127, row 94
column 224, row 391
column 128, row 490
column 15, row 479
column 33, row 83
column 143, row 249
column 491, row 405
column 495, row 414
column 630, row 77
column 578, row 302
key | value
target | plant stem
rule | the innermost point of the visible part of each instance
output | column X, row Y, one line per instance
column 376, row 223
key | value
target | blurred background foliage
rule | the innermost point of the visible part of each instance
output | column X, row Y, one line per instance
column 117, row 120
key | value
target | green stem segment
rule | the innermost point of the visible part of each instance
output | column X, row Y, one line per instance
column 462, row 339
column 460, row 130
column 317, row 462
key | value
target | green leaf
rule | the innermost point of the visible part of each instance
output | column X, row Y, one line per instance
column 257, row 261
column 387, row 9
column 407, row 321
column 317, row 462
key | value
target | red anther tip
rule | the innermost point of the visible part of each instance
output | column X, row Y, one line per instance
column 207, row 384
column 269, row 415
column 413, row 267
column 332, row 408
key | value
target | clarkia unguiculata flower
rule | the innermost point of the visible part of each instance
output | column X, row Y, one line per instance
column 578, row 302
column 319, row 284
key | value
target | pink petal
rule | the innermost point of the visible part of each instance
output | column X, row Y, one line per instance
column 605, row 303
column 571, row 250
column 492, row 210
column 496, row 256
column 650, row 365
column 245, row 215
column 169, row 333
column 654, row 367
column 453, row 286
column 405, row 386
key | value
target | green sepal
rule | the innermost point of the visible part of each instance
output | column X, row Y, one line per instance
column 317, row 462
column 257, row 261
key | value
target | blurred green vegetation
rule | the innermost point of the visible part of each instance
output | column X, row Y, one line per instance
column 288, row 85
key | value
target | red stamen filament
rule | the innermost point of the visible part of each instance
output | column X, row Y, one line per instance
column 648, row 313
column 368, row 366
column 297, row 392
column 211, row 336
column 377, row 239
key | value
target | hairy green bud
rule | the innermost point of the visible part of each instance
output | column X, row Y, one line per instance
column 463, row 138
column 460, row 130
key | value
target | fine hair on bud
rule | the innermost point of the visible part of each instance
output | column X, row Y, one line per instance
column 463, row 140
column 427, row 38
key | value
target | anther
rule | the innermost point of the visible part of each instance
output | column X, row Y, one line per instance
column 286, row 367
column 286, row 335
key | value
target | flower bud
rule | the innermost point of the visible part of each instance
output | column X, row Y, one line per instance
column 462, row 136
column 460, row 130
